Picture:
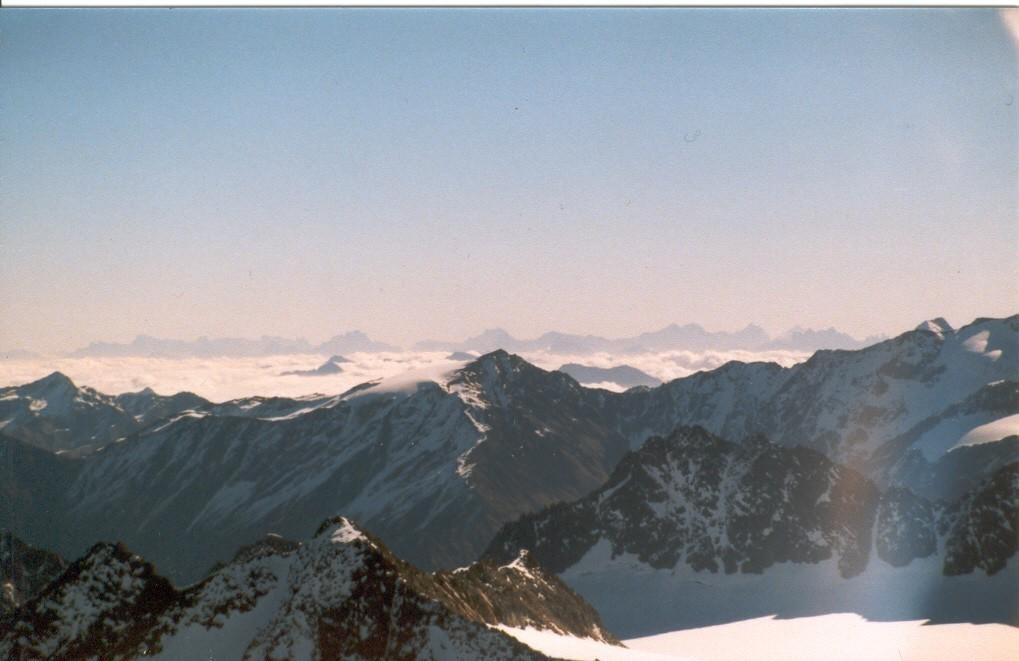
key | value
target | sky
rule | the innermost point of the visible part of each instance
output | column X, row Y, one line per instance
column 419, row 173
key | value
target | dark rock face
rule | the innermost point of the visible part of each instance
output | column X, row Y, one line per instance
column 715, row 505
column 33, row 487
column 558, row 536
column 341, row 594
column 24, row 571
column 545, row 437
column 695, row 499
column 521, row 594
column 905, row 527
column 983, row 526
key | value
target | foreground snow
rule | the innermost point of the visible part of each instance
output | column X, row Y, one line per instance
column 834, row 637
column 570, row 647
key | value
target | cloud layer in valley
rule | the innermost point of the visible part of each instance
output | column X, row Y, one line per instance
column 225, row 378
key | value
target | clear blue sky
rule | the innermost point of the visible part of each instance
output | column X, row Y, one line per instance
column 429, row 173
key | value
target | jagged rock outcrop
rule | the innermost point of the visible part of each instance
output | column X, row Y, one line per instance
column 696, row 499
column 982, row 527
column 341, row 594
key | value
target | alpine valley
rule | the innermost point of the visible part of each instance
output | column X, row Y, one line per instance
column 495, row 496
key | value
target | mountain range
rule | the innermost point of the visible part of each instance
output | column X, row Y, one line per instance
column 674, row 337
column 687, row 337
column 204, row 347
column 891, row 465
column 329, row 367
column 624, row 376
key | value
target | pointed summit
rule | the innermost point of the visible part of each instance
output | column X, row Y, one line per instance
column 938, row 326
column 340, row 530
column 56, row 388
column 54, row 380
column 494, row 369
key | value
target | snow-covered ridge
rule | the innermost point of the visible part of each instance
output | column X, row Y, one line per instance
column 845, row 404
column 337, row 594
column 341, row 530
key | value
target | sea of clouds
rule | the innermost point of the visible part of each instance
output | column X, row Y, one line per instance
column 221, row 379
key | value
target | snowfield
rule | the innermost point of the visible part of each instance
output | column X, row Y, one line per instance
column 621, row 587
column 570, row 647
column 834, row 637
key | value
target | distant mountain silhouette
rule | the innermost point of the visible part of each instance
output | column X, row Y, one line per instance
column 203, row 347
column 621, row 375
column 327, row 368
column 688, row 337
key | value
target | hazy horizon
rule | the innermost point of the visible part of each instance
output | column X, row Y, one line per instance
column 410, row 346
column 431, row 173
column 128, row 338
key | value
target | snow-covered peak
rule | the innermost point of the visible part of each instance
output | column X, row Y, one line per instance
column 345, row 532
column 405, row 383
column 340, row 530
column 470, row 381
column 315, row 600
column 938, row 326
column 523, row 564
column 97, row 603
